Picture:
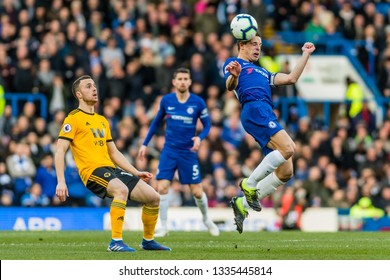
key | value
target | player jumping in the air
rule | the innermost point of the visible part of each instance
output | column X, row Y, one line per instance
column 252, row 85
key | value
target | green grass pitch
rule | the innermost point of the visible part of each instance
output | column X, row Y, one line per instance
column 285, row 245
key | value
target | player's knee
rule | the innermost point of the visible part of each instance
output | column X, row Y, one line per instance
column 197, row 193
column 288, row 150
column 285, row 174
column 197, row 190
column 121, row 192
column 162, row 190
column 154, row 200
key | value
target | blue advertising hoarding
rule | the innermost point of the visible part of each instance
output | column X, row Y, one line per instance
column 52, row 218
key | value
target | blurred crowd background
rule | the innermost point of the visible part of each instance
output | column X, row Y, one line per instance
column 131, row 49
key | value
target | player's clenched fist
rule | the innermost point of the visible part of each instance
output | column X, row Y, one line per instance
column 308, row 47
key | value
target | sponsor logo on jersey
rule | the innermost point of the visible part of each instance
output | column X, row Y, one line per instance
column 182, row 118
column 170, row 108
column 261, row 72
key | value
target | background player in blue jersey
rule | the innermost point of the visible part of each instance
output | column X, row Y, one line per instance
column 252, row 85
column 181, row 110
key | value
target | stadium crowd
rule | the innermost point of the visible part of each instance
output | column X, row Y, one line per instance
column 131, row 49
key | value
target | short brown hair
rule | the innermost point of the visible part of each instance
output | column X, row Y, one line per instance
column 76, row 84
column 245, row 41
column 181, row 70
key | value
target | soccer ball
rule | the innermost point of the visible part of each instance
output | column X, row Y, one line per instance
column 243, row 27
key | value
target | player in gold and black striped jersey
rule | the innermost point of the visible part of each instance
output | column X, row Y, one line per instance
column 103, row 168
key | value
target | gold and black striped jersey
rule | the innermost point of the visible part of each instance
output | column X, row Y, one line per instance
column 88, row 134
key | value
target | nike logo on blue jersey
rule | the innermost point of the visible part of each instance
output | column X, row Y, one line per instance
column 171, row 108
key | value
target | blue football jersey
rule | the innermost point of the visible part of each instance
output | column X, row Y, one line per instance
column 254, row 82
column 181, row 120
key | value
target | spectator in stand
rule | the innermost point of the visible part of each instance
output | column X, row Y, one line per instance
column 58, row 98
column 233, row 132
column 365, row 209
column 361, row 141
column 354, row 96
column 75, row 186
column 40, row 127
column 339, row 199
column 293, row 203
column 303, row 133
column 34, row 197
column 233, row 167
column 205, row 164
column 148, row 74
column 210, row 191
column 206, row 22
column 46, row 177
column 301, row 169
column 45, row 76
column 228, row 193
column 7, row 122
column 199, row 71
column 24, row 79
column 175, row 194
column 359, row 23
column 346, row 15
column 21, row 168
column 340, row 153
column 36, row 149
column 199, row 45
column 55, row 125
column 6, row 183
column 68, row 67
column 384, row 75
column 372, row 160
column 384, row 201
column 7, row 68
column 178, row 11
column 164, row 72
column 316, row 193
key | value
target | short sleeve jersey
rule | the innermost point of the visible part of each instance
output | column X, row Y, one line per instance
column 88, row 134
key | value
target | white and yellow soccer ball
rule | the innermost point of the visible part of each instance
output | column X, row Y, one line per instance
column 243, row 27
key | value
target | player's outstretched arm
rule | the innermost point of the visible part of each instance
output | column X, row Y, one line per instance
column 292, row 78
column 119, row 159
column 59, row 161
